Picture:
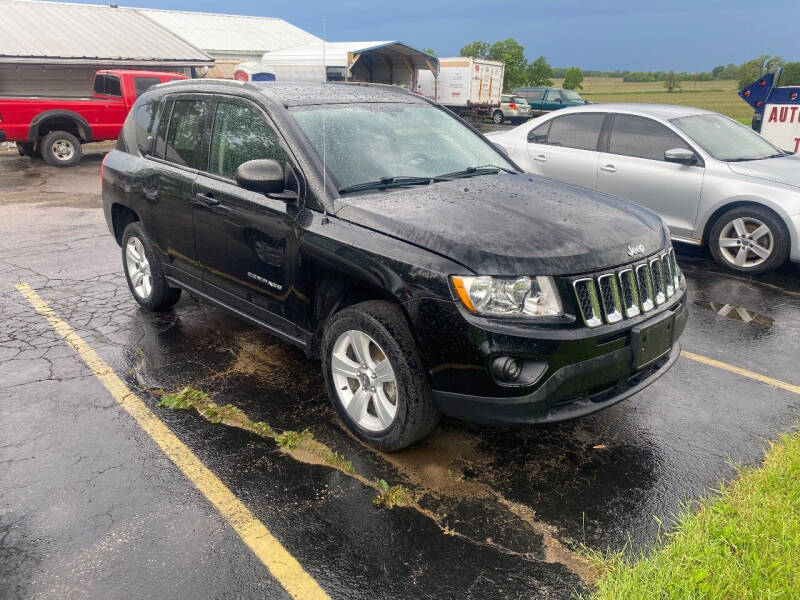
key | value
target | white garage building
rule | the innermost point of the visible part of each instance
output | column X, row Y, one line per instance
column 53, row 49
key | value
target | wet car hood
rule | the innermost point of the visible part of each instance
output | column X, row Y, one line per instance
column 785, row 170
column 511, row 224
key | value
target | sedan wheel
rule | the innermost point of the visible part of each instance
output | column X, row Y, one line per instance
column 365, row 381
column 749, row 239
column 138, row 268
column 498, row 117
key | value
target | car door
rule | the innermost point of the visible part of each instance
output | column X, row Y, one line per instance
column 552, row 100
column 566, row 148
column 180, row 151
column 634, row 168
column 246, row 241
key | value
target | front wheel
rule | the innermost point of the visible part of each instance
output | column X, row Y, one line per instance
column 375, row 377
column 498, row 117
column 61, row 149
column 144, row 272
column 749, row 239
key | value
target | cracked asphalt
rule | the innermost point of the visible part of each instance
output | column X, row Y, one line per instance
column 91, row 508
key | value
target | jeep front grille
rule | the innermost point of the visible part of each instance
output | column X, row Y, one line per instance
column 629, row 291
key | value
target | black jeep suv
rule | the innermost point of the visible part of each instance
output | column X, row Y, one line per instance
column 388, row 238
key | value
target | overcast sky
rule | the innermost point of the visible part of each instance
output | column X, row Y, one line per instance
column 686, row 35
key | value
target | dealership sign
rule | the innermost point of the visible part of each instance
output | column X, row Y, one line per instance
column 777, row 111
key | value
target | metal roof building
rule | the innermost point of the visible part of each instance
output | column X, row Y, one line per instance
column 54, row 48
column 231, row 39
column 379, row 62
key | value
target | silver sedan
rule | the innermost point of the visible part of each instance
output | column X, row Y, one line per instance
column 714, row 181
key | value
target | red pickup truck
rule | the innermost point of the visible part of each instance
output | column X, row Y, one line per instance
column 55, row 128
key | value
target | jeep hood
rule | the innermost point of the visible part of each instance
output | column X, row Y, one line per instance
column 784, row 170
column 511, row 224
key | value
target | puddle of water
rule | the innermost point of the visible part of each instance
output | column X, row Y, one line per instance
column 737, row 313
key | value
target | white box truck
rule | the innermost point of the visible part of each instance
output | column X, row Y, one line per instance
column 467, row 86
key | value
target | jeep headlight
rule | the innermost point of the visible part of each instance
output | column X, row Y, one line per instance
column 509, row 296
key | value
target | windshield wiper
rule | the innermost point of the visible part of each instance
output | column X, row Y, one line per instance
column 479, row 170
column 387, row 182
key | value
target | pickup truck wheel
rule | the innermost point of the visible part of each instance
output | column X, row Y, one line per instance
column 61, row 149
column 375, row 376
column 143, row 271
column 498, row 117
column 749, row 239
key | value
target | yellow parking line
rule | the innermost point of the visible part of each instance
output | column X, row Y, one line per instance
column 282, row 565
column 743, row 372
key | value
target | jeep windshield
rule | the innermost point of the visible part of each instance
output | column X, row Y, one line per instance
column 380, row 145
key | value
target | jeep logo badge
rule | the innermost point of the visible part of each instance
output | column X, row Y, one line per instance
column 635, row 250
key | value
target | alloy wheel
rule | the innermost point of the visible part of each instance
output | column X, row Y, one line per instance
column 746, row 242
column 365, row 380
column 138, row 268
column 63, row 150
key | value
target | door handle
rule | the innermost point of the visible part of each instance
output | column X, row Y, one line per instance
column 609, row 169
column 540, row 158
column 206, row 200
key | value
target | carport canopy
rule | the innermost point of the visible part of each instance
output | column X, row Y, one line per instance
column 379, row 62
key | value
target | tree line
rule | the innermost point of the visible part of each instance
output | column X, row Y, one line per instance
column 520, row 72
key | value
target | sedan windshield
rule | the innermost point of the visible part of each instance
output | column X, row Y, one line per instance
column 725, row 139
column 397, row 143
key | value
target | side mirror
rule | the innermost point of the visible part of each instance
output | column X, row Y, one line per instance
column 147, row 148
column 263, row 175
column 680, row 155
column 500, row 149
column 559, row 100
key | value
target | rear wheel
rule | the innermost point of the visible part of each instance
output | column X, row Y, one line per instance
column 61, row 149
column 749, row 239
column 498, row 117
column 143, row 271
column 375, row 377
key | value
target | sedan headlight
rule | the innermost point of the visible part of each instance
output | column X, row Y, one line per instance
column 509, row 297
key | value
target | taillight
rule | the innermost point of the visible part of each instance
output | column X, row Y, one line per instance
column 512, row 106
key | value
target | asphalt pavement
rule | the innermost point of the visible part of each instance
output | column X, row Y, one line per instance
column 93, row 506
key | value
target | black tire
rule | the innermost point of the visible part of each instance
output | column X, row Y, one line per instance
column 498, row 117
column 27, row 149
column 52, row 144
column 161, row 296
column 780, row 238
column 416, row 414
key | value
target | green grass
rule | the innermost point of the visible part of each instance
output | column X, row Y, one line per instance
column 741, row 544
column 719, row 96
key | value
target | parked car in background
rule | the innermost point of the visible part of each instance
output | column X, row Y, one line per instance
column 546, row 99
column 490, row 299
column 512, row 108
column 55, row 128
column 714, row 181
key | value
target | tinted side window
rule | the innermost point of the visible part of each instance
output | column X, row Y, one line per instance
column 576, row 131
column 107, row 85
column 161, row 136
column 642, row 137
column 241, row 134
column 185, row 135
column 552, row 95
column 144, row 115
column 535, row 95
column 539, row 134
column 142, row 84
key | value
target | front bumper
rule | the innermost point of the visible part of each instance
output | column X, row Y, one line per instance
column 588, row 369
